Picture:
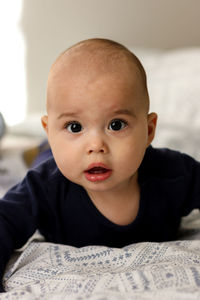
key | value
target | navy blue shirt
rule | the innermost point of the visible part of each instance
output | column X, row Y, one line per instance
column 63, row 212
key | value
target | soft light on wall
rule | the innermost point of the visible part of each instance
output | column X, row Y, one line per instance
column 12, row 62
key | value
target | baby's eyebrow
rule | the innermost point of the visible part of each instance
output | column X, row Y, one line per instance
column 115, row 112
column 124, row 112
column 67, row 114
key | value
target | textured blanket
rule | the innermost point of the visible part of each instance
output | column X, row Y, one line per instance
column 155, row 271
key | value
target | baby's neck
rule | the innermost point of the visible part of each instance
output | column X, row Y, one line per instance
column 119, row 206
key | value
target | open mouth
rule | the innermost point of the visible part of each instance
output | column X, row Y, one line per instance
column 97, row 170
column 97, row 173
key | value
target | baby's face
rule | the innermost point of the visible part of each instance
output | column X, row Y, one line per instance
column 98, row 130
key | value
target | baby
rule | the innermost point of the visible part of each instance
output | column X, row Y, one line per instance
column 98, row 124
column 105, row 184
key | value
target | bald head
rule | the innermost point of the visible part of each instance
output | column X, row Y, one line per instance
column 98, row 56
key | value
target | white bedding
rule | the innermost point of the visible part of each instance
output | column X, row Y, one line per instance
column 154, row 271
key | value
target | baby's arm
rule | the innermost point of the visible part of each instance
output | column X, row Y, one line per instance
column 18, row 219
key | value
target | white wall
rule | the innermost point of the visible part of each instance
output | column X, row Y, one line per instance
column 50, row 26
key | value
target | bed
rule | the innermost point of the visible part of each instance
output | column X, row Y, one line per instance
column 169, row 270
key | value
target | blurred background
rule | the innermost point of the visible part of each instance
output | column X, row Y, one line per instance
column 35, row 32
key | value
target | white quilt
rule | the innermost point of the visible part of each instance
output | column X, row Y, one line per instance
column 155, row 271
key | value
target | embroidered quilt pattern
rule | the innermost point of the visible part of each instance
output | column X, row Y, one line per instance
column 140, row 271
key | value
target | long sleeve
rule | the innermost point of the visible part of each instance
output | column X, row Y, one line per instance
column 30, row 205
column 18, row 217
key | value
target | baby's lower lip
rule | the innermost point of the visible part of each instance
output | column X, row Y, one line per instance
column 97, row 174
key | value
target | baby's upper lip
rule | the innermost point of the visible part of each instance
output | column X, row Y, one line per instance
column 97, row 165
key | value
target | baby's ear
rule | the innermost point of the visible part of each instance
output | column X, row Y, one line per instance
column 152, row 121
column 44, row 121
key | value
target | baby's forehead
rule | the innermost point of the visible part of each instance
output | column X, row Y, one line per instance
column 92, row 59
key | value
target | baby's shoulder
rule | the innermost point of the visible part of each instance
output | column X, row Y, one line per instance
column 167, row 163
column 47, row 171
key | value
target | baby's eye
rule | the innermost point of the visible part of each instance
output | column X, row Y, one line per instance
column 117, row 125
column 74, row 127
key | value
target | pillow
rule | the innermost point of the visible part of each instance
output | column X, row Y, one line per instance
column 174, row 89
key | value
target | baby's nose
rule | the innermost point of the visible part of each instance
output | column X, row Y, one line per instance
column 96, row 144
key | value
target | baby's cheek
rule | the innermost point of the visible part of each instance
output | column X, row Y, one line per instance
column 129, row 156
column 123, row 150
column 68, row 171
column 63, row 161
